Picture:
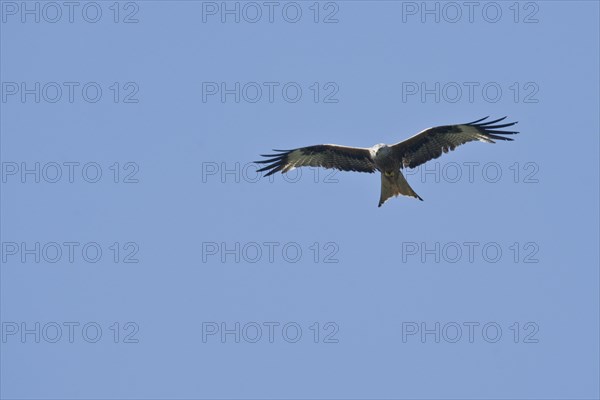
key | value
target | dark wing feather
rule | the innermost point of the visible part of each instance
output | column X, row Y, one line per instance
column 433, row 142
column 323, row 155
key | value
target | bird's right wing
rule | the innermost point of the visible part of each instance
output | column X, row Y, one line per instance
column 433, row 142
column 323, row 155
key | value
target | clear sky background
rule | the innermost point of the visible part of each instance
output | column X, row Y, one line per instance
column 300, row 288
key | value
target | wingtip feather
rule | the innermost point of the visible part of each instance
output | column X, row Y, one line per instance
column 479, row 120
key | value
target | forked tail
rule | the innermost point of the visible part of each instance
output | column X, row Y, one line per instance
column 393, row 185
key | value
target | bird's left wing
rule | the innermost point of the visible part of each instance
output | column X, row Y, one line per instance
column 323, row 155
column 433, row 142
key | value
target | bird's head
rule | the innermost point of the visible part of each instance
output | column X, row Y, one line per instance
column 381, row 148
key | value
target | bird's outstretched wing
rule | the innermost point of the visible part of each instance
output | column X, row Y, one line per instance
column 433, row 142
column 322, row 155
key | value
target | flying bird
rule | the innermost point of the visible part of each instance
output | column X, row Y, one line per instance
column 389, row 159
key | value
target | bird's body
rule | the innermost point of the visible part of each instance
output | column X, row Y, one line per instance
column 388, row 159
column 383, row 157
column 393, row 182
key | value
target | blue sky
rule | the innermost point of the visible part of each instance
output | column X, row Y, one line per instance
column 143, row 257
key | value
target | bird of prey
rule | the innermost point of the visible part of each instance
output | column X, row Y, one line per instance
column 389, row 159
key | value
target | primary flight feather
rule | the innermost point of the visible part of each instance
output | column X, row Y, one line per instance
column 389, row 160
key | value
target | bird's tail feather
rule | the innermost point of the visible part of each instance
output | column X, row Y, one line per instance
column 393, row 185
